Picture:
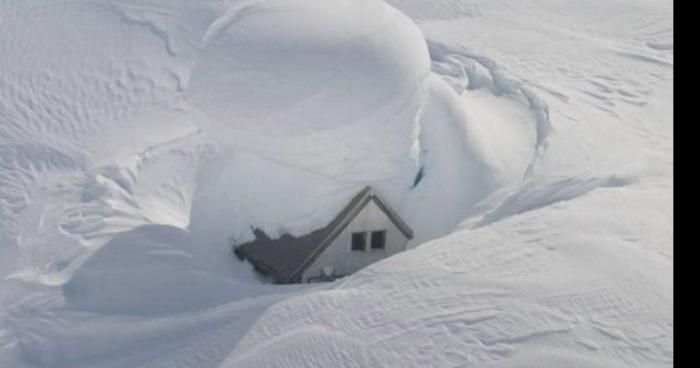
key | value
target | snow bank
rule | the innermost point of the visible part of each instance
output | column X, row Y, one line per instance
column 278, row 73
column 148, row 270
column 322, row 96
column 137, row 138
column 332, row 88
column 540, row 288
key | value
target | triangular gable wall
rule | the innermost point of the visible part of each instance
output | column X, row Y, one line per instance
column 348, row 215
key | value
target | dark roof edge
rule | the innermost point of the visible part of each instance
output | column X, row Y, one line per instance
column 348, row 214
column 393, row 216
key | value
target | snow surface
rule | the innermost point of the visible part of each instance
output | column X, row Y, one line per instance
column 138, row 139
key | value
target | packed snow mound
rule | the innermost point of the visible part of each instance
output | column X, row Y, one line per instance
column 139, row 137
column 324, row 94
column 112, row 279
column 288, row 79
column 534, row 290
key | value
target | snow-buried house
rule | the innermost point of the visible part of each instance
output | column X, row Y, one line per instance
column 365, row 231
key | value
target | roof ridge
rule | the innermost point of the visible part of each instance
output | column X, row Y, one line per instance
column 358, row 201
column 287, row 264
column 394, row 217
column 343, row 218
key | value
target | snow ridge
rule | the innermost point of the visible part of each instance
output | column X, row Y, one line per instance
column 138, row 138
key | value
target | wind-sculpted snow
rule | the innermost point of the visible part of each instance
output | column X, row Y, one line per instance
column 538, row 287
column 328, row 96
column 280, row 70
column 571, row 268
column 528, row 145
column 110, row 281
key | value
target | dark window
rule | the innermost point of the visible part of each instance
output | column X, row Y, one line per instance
column 359, row 241
column 378, row 239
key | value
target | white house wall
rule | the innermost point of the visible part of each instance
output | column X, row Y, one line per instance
column 346, row 261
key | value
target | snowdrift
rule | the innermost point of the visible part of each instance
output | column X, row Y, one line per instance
column 529, row 147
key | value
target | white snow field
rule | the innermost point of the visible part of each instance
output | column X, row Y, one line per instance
column 528, row 143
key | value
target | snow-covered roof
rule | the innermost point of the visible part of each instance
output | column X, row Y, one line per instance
column 284, row 259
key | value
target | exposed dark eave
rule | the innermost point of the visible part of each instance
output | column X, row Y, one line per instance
column 261, row 251
column 356, row 205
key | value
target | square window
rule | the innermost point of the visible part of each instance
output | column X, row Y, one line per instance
column 378, row 239
column 359, row 241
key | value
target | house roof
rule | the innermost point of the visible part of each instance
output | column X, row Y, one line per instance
column 287, row 257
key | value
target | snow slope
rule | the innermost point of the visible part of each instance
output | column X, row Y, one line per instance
column 138, row 138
